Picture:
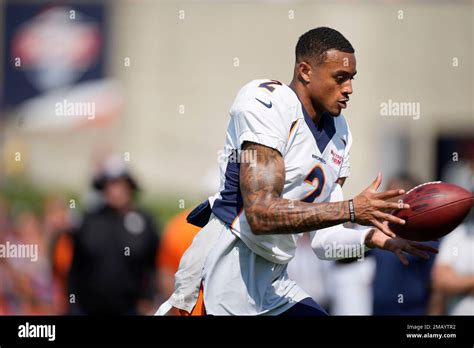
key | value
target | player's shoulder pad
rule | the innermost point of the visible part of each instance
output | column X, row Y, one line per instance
column 266, row 96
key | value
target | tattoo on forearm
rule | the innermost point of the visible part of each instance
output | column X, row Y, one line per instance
column 267, row 212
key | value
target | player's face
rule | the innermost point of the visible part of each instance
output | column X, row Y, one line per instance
column 330, row 82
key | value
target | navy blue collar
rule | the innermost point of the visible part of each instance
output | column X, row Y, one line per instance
column 324, row 131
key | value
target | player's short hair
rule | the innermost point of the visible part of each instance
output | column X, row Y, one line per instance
column 313, row 45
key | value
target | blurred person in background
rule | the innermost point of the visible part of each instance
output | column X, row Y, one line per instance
column 6, row 231
column 175, row 240
column 56, row 219
column 453, row 272
column 114, row 251
column 5, row 224
column 57, row 222
column 398, row 289
column 30, row 286
column 177, row 237
column 27, row 286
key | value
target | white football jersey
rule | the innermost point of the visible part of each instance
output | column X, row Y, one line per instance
column 268, row 112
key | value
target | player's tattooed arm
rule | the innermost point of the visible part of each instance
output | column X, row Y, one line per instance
column 267, row 212
column 261, row 185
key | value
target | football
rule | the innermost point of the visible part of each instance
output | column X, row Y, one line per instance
column 436, row 208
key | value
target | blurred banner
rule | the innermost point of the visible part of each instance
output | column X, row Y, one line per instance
column 54, row 67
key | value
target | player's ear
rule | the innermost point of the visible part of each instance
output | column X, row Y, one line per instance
column 304, row 72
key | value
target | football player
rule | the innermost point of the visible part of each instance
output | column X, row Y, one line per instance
column 288, row 157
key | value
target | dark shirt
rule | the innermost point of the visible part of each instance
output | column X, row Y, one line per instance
column 399, row 289
column 113, row 267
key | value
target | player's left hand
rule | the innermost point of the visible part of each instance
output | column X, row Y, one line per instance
column 399, row 246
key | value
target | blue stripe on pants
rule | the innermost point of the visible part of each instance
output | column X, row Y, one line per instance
column 306, row 307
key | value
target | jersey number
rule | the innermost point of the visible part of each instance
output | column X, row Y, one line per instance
column 316, row 179
column 268, row 85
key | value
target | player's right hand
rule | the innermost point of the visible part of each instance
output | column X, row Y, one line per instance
column 398, row 246
column 371, row 207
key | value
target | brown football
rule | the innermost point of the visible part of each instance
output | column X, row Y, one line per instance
column 436, row 208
